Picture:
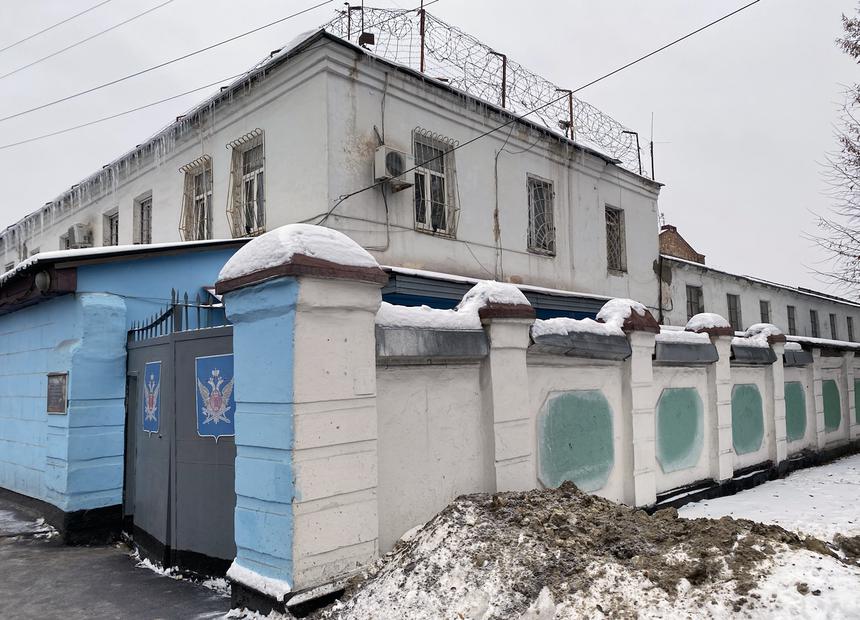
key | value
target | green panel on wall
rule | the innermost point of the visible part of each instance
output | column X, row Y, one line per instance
column 857, row 401
column 832, row 405
column 680, row 427
column 747, row 418
column 575, row 440
column 795, row 410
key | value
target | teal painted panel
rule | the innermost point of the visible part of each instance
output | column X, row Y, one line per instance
column 832, row 405
column 575, row 440
column 857, row 401
column 680, row 428
column 795, row 411
column 747, row 418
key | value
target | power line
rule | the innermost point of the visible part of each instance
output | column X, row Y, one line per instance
column 60, row 23
column 132, row 110
column 82, row 41
column 164, row 64
column 118, row 114
column 323, row 217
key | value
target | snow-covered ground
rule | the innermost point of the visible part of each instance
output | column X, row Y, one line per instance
column 819, row 501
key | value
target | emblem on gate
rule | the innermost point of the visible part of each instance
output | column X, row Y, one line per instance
column 215, row 403
column 151, row 396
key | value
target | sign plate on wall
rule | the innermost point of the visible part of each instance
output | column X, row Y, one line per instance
column 151, row 397
column 215, row 403
column 57, row 391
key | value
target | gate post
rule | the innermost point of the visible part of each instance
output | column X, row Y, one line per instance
column 303, row 301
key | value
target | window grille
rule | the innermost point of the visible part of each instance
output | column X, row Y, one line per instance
column 247, row 197
column 541, row 227
column 113, row 229
column 435, row 183
column 764, row 306
column 144, row 215
column 196, row 221
column 834, row 327
column 734, row 304
column 813, row 323
column 695, row 301
column 792, row 320
column 615, row 251
column 850, row 323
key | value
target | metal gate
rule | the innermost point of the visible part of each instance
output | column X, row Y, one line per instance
column 179, row 492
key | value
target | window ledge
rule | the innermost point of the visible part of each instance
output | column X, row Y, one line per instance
column 617, row 272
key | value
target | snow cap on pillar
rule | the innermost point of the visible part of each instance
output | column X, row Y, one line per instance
column 299, row 250
column 496, row 300
column 765, row 331
column 629, row 315
column 709, row 323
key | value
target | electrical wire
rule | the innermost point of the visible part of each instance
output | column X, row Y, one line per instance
column 60, row 23
column 165, row 63
column 84, row 40
column 515, row 118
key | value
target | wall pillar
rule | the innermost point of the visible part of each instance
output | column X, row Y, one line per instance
column 639, row 401
column 850, row 406
column 504, row 383
column 306, row 419
column 818, row 394
column 776, row 388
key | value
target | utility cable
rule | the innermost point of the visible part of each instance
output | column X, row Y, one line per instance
column 60, row 23
column 165, row 63
column 82, row 41
column 515, row 118
column 138, row 108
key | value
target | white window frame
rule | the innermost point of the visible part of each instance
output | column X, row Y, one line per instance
column 240, row 183
column 108, row 220
column 424, row 175
column 141, row 203
column 196, row 216
column 541, row 242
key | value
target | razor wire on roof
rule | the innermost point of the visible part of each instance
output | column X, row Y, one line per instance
column 466, row 64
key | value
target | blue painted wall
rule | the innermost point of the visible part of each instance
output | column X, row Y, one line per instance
column 263, row 318
column 75, row 461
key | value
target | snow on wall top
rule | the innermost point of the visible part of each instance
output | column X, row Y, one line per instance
column 562, row 326
column 465, row 317
column 707, row 320
column 616, row 311
column 681, row 336
column 278, row 246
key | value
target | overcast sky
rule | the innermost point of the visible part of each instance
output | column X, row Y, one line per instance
column 743, row 112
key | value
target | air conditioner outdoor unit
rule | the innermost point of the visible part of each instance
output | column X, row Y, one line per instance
column 394, row 167
column 80, row 236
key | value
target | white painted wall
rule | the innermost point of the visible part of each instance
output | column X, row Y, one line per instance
column 804, row 377
column 717, row 284
column 754, row 375
column 319, row 112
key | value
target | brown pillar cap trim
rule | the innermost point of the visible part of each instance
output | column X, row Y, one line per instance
column 308, row 266
column 640, row 323
column 715, row 331
column 774, row 338
column 506, row 311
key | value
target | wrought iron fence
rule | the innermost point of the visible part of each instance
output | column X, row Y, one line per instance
column 179, row 315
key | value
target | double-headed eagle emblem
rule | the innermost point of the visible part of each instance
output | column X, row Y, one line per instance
column 150, row 406
column 216, row 398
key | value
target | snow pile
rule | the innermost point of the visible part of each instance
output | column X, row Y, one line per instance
column 756, row 336
column 793, row 346
column 819, row 501
column 562, row 326
column 561, row 554
column 674, row 335
column 464, row 317
column 278, row 246
column 616, row 311
column 706, row 320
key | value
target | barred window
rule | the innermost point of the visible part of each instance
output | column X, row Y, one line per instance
column 111, row 228
column 541, row 226
column 792, row 320
column 695, row 301
column 734, row 304
column 247, row 207
column 813, row 323
column 143, row 220
column 434, row 184
column 764, row 306
column 197, row 200
column 616, row 259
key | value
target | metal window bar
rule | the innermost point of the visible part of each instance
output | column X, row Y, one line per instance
column 145, row 220
column 541, row 227
column 792, row 321
column 615, row 239
column 434, row 182
column 849, row 321
column 813, row 322
column 834, row 328
column 734, row 305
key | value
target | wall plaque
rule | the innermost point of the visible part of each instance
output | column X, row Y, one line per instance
column 57, row 391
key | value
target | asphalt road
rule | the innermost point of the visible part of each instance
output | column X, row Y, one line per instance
column 40, row 578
